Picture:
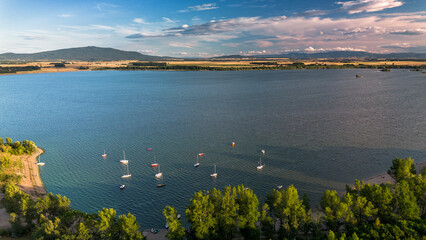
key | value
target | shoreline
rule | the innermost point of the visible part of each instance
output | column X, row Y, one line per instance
column 31, row 182
column 386, row 178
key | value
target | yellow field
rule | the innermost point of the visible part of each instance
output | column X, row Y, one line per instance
column 47, row 66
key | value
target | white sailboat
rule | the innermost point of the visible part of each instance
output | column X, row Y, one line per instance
column 214, row 174
column 128, row 174
column 197, row 164
column 104, row 155
column 124, row 161
column 260, row 164
column 159, row 174
column 40, row 163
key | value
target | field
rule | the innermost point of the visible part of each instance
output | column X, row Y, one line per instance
column 71, row 66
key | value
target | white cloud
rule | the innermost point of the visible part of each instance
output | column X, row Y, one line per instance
column 203, row 7
column 148, row 51
column 139, row 20
column 168, row 20
column 182, row 45
column 358, row 6
column 65, row 15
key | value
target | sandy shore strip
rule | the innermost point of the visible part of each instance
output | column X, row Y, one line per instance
column 31, row 182
column 386, row 178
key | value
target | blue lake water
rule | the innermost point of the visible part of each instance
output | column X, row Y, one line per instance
column 321, row 129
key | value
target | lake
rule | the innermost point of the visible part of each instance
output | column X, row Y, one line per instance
column 320, row 129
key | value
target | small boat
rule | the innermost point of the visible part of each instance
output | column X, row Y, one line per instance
column 128, row 174
column 154, row 164
column 260, row 164
column 263, row 152
column 104, row 155
column 124, row 161
column 179, row 216
column 201, row 154
column 122, row 187
column 197, row 163
column 159, row 174
column 233, row 144
column 279, row 186
column 40, row 163
column 161, row 185
column 214, row 174
column 149, row 149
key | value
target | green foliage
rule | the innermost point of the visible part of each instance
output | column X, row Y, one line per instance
column 248, row 212
column 267, row 222
column 128, row 228
column 106, row 222
column 200, row 214
column 176, row 231
column 18, row 148
column 406, row 202
column 337, row 212
column 83, row 233
column 402, row 169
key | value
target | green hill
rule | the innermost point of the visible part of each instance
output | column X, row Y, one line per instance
column 81, row 54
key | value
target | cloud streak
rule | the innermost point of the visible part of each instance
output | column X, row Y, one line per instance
column 358, row 6
column 203, row 7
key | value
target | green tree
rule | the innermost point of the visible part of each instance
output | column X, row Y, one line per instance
column 306, row 201
column 226, row 214
column 200, row 214
column 128, row 227
column 402, row 169
column 331, row 235
column 9, row 141
column 47, row 229
column 267, row 222
column 106, row 223
column 406, row 202
column 1, row 141
column 294, row 211
column 274, row 199
column 362, row 209
column 15, row 222
column 248, row 212
column 83, row 233
column 418, row 187
column 336, row 212
column 176, row 231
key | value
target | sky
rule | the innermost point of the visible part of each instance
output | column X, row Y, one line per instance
column 190, row 28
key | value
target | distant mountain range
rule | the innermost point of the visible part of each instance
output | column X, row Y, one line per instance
column 111, row 54
column 82, row 54
column 336, row 55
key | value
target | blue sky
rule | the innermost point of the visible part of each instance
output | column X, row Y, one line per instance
column 186, row 28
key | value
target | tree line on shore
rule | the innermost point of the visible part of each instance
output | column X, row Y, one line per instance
column 17, row 147
column 386, row 211
column 256, row 66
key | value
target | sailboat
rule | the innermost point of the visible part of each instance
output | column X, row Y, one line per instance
column 40, row 163
column 154, row 164
column 214, row 174
column 104, row 155
column 124, row 161
column 260, row 164
column 159, row 174
column 197, row 164
column 128, row 174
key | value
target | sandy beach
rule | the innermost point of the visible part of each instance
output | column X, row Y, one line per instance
column 31, row 182
column 386, row 178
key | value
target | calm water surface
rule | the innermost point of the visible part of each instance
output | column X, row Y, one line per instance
column 321, row 129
